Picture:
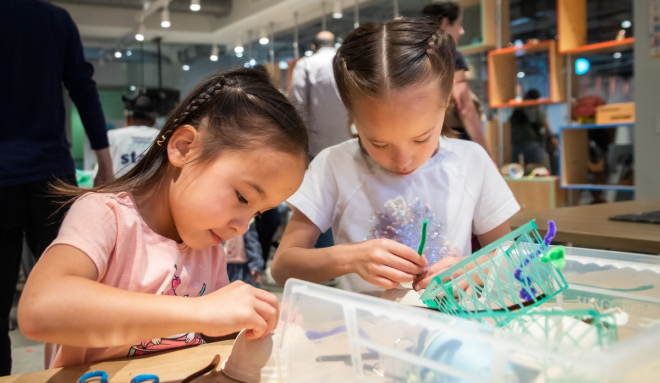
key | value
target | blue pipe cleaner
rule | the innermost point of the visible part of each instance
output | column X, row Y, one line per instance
column 527, row 282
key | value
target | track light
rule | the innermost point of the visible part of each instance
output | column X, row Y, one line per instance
column 139, row 36
column 165, row 18
column 194, row 5
column 337, row 10
column 214, row 52
column 263, row 37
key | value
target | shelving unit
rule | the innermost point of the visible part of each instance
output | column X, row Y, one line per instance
column 575, row 157
column 502, row 72
column 572, row 30
column 488, row 24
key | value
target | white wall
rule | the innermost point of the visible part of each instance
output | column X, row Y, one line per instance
column 647, row 100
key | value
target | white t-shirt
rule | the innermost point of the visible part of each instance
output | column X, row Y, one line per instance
column 458, row 190
column 128, row 145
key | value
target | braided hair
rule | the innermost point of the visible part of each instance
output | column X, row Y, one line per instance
column 381, row 57
column 238, row 109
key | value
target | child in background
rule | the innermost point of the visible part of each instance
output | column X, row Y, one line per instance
column 140, row 258
column 244, row 259
column 396, row 80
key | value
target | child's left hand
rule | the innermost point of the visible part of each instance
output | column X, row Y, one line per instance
column 256, row 276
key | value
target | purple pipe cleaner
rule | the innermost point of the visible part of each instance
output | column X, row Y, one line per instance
column 527, row 282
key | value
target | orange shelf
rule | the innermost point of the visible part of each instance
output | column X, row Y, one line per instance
column 604, row 47
column 527, row 48
column 514, row 104
column 502, row 72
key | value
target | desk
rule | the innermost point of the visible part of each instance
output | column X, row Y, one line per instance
column 172, row 366
column 589, row 226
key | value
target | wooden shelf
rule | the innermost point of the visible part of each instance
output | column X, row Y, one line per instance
column 515, row 104
column 599, row 187
column 596, row 126
column 502, row 72
column 605, row 47
column 488, row 25
column 572, row 30
column 573, row 169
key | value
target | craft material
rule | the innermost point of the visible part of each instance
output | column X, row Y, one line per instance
column 145, row 378
column 504, row 276
column 251, row 361
column 94, row 374
column 203, row 371
column 420, row 249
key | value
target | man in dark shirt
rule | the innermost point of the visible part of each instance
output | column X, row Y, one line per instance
column 450, row 17
column 41, row 51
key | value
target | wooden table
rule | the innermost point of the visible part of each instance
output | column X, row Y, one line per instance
column 589, row 226
column 172, row 366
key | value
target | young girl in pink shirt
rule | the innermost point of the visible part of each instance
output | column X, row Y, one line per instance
column 139, row 259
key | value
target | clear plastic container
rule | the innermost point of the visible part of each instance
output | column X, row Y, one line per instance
column 329, row 335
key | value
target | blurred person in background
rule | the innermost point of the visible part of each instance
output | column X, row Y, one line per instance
column 42, row 51
column 128, row 144
column 466, row 117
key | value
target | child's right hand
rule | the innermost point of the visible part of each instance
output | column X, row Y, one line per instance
column 386, row 263
column 236, row 307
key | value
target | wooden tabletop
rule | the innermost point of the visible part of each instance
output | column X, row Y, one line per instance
column 589, row 226
column 171, row 367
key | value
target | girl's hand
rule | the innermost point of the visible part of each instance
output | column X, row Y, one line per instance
column 425, row 278
column 386, row 263
column 236, row 307
column 256, row 276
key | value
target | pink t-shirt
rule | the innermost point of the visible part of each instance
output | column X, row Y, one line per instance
column 130, row 256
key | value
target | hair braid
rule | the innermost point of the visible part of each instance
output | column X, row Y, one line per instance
column 199, row 101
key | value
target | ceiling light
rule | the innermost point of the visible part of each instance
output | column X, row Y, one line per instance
column 118, row 54
column 308, row 53
column 263, row 37
column 238, row 48
column 337, row 11
column 626, row 24
column 239, row 54
column 253, row 62
column 139, row 36
column 186, row 67
column 521, row 74
column 165, row 18
column 129, row 53
column 617, row 55
column 214, row 52
column 194, row 5
column 132, row 88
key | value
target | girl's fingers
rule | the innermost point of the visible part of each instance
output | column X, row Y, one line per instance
column 398, row 263
column 404, row 252
column 269, row 314
column 384, row 282
column 393, row 274
column 267, row 297
column 257, row 328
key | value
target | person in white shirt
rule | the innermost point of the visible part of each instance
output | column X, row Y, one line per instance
column 128, row 144
column 396, row 79
column 315, row 95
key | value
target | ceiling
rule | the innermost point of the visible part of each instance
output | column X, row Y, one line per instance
column 211, row 7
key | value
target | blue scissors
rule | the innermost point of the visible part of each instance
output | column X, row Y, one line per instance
column 104, row 377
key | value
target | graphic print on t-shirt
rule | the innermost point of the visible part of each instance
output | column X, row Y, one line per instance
column 402, row 222
column 174, row 341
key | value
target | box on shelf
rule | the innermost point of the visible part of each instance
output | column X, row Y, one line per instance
column 615, row 113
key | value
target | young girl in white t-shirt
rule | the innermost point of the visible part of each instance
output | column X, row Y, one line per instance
column 395, row 78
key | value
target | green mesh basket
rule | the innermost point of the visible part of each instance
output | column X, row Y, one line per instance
column 583, row 329
column 500, row 281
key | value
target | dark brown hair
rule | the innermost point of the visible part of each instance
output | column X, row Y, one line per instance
column 443, row 10
column 241, row 110
column 380, row 57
